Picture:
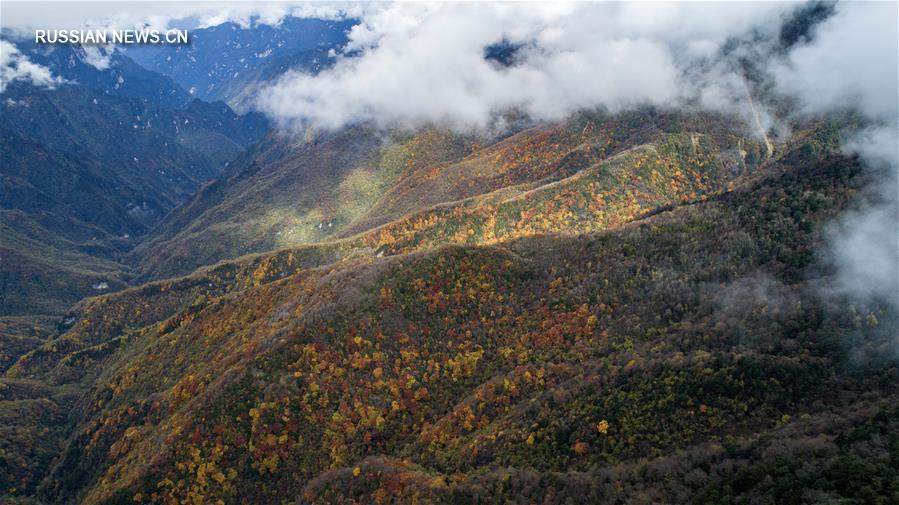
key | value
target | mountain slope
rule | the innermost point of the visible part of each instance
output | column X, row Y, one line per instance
column 542, row 153
column 107, row 73
column 685, row 344
column 131, row 135
column 674, row 168
column 224, row 61
column 289, row 192
column 83, row 173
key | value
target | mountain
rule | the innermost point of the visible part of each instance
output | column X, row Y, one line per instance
column 647, row 304
column 86, row 170
column 106, row 72
column 288, row 192
column 225, row 61
column 666, row 358
column 129, row 135
column 55, row 249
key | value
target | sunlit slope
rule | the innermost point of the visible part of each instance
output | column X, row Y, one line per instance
column 678, row 168
column 292, row 191
column 517, row 371
column 287, row 192
column 541, row 154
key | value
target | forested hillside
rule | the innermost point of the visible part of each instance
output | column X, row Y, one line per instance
column 434, row 186
column 665, row 360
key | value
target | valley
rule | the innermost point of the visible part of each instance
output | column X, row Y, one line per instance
column 88, row 169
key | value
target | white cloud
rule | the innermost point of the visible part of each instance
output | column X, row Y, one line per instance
column 865, row 248
column 424, row 63
column 98, row 57
column 877, row 145
column 852, row 61
column 15, row 66
column 864, row 243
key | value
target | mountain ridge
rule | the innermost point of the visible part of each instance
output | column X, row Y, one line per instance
column 224, row 61
column 468, row 166
column 493, row 278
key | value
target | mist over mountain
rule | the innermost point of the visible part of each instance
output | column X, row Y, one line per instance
column 452, row 253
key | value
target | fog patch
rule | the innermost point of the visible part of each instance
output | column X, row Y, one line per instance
column 753, row 311
column 864, row 242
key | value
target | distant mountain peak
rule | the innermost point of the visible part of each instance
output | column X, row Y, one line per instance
column 224, row 61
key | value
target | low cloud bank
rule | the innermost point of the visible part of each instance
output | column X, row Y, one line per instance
column 850, row 63
column 416, row 64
